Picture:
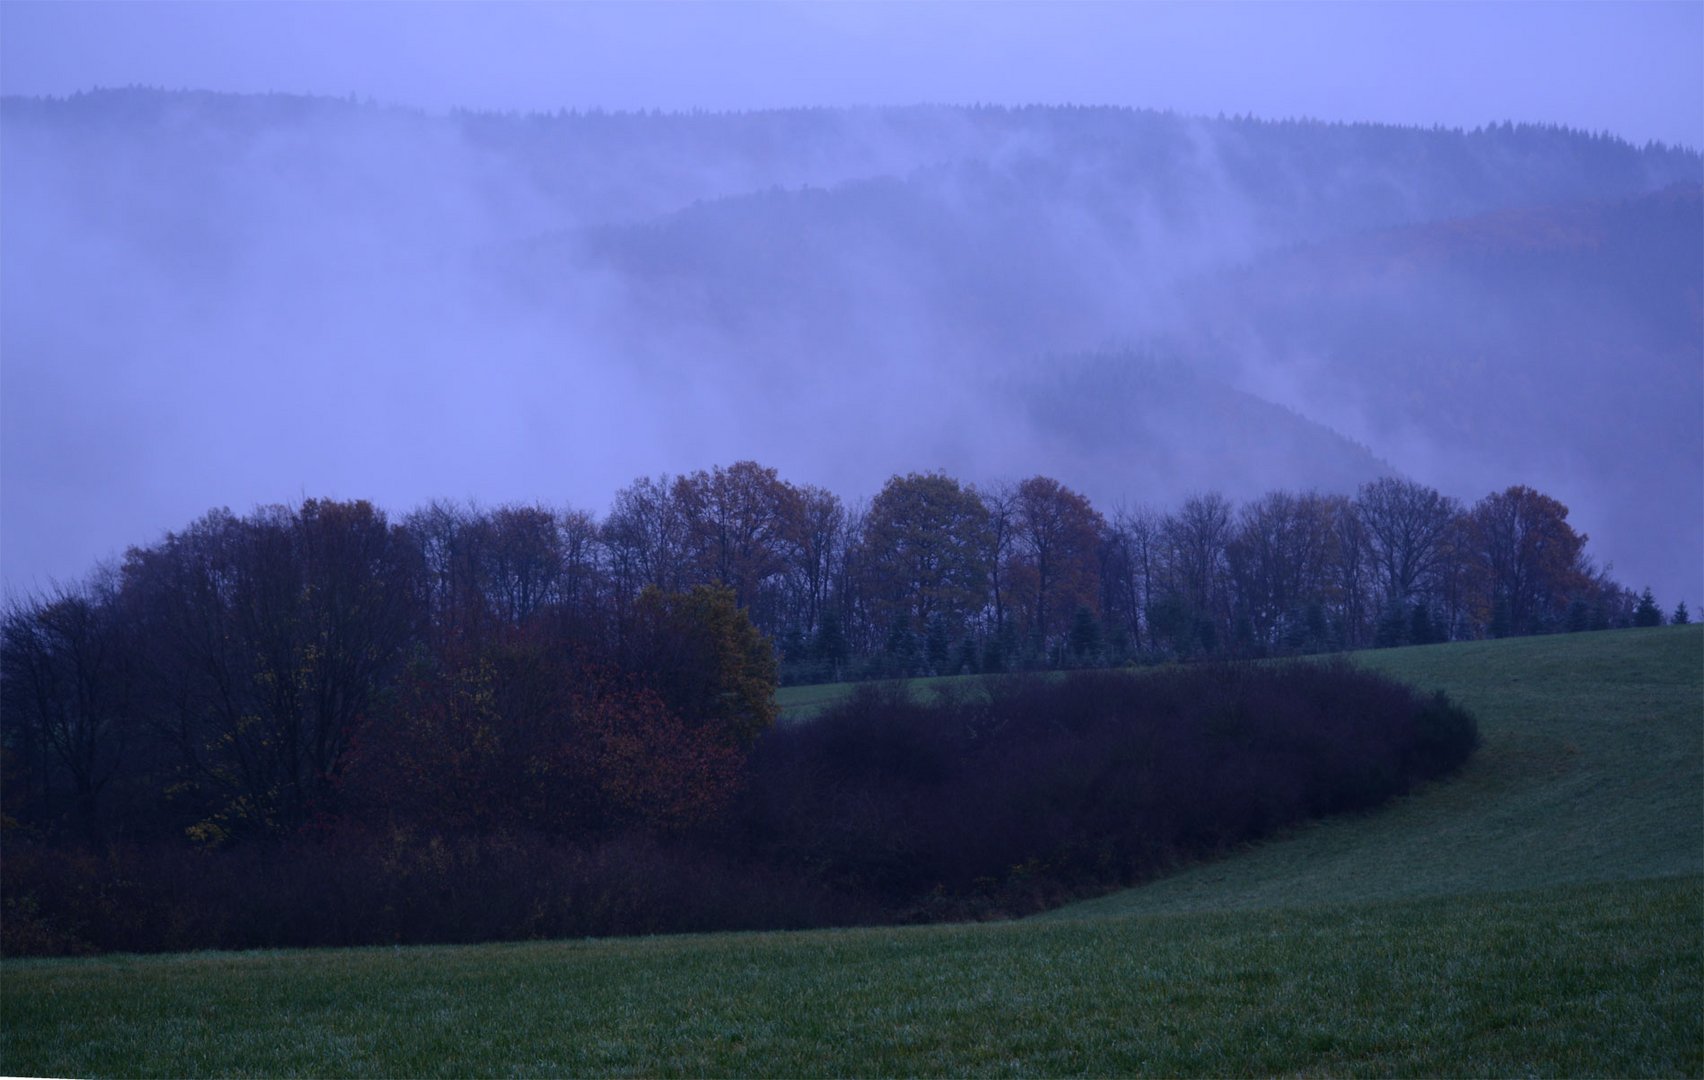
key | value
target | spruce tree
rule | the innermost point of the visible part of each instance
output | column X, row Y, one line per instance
column 1085, row 636
column 1579, row 615
column 938, row 644
column 1392, row 627
column 831, row 647
column 1647, row 613
column 1420, row 631
column 1500, row 621
column 900, row 650
column 965, row 658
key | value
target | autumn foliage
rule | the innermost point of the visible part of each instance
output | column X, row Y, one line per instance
column 520, row 738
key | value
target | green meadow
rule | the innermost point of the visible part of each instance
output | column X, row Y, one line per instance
column 1541, row 913
column 1591, row 770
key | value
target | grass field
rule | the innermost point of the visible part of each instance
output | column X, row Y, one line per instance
column 800, row 703
column 1591, row 769
column 1541, row 914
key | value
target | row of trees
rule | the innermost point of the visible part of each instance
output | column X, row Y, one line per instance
column 250, row 675
column 933, row 575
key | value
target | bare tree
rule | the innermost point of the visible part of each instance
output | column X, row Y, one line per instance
column 1001, row 502
column 817, row 547
column 1407, row 527
column 273, row 637
column 68, row 689
column 645, row 537
column 1279, row 558
column 1139, row 533
column 522, row 561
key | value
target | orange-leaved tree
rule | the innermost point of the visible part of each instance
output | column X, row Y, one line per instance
column 522, row 735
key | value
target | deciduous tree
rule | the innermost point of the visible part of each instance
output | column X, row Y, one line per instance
column 1056, row 555
column 924, row 551
column 700, row 652
column 69, row 694
column 271, row 638
column 1527, row 559
column 741, row 527
column 1407, row 527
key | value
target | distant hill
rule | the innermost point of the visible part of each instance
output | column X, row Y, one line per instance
column 616, row 166
column 1069, row 227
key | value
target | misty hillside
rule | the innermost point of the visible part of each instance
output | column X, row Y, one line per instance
column 1560, row 343
column 335, row 297
column 1067, row 222
column 1106, row 413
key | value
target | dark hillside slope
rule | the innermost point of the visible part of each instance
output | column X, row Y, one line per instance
column 975, row 270
column 1130, row 421
column 616, row 166
column 1062, row 229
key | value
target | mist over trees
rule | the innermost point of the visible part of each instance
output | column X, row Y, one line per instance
column 1141, row 304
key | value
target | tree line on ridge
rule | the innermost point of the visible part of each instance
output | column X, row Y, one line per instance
column 229, row 680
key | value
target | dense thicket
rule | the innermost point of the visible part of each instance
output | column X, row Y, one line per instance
column 1018, row 793
column 1023, row 789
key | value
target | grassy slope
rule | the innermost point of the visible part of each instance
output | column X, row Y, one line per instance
column 800, row 703
column 1592, row 769
column 1566, row 981
column 1384, row 944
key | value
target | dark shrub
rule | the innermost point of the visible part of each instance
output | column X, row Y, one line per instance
column 1445, row 735
column 1031, row 788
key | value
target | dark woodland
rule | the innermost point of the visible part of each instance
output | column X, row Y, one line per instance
column 270, row 729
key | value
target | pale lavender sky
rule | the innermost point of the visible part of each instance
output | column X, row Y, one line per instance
column 1635, row 69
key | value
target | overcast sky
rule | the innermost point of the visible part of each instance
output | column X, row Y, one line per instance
column 1635, row 69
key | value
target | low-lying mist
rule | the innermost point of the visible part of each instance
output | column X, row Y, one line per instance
column 217, row 300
